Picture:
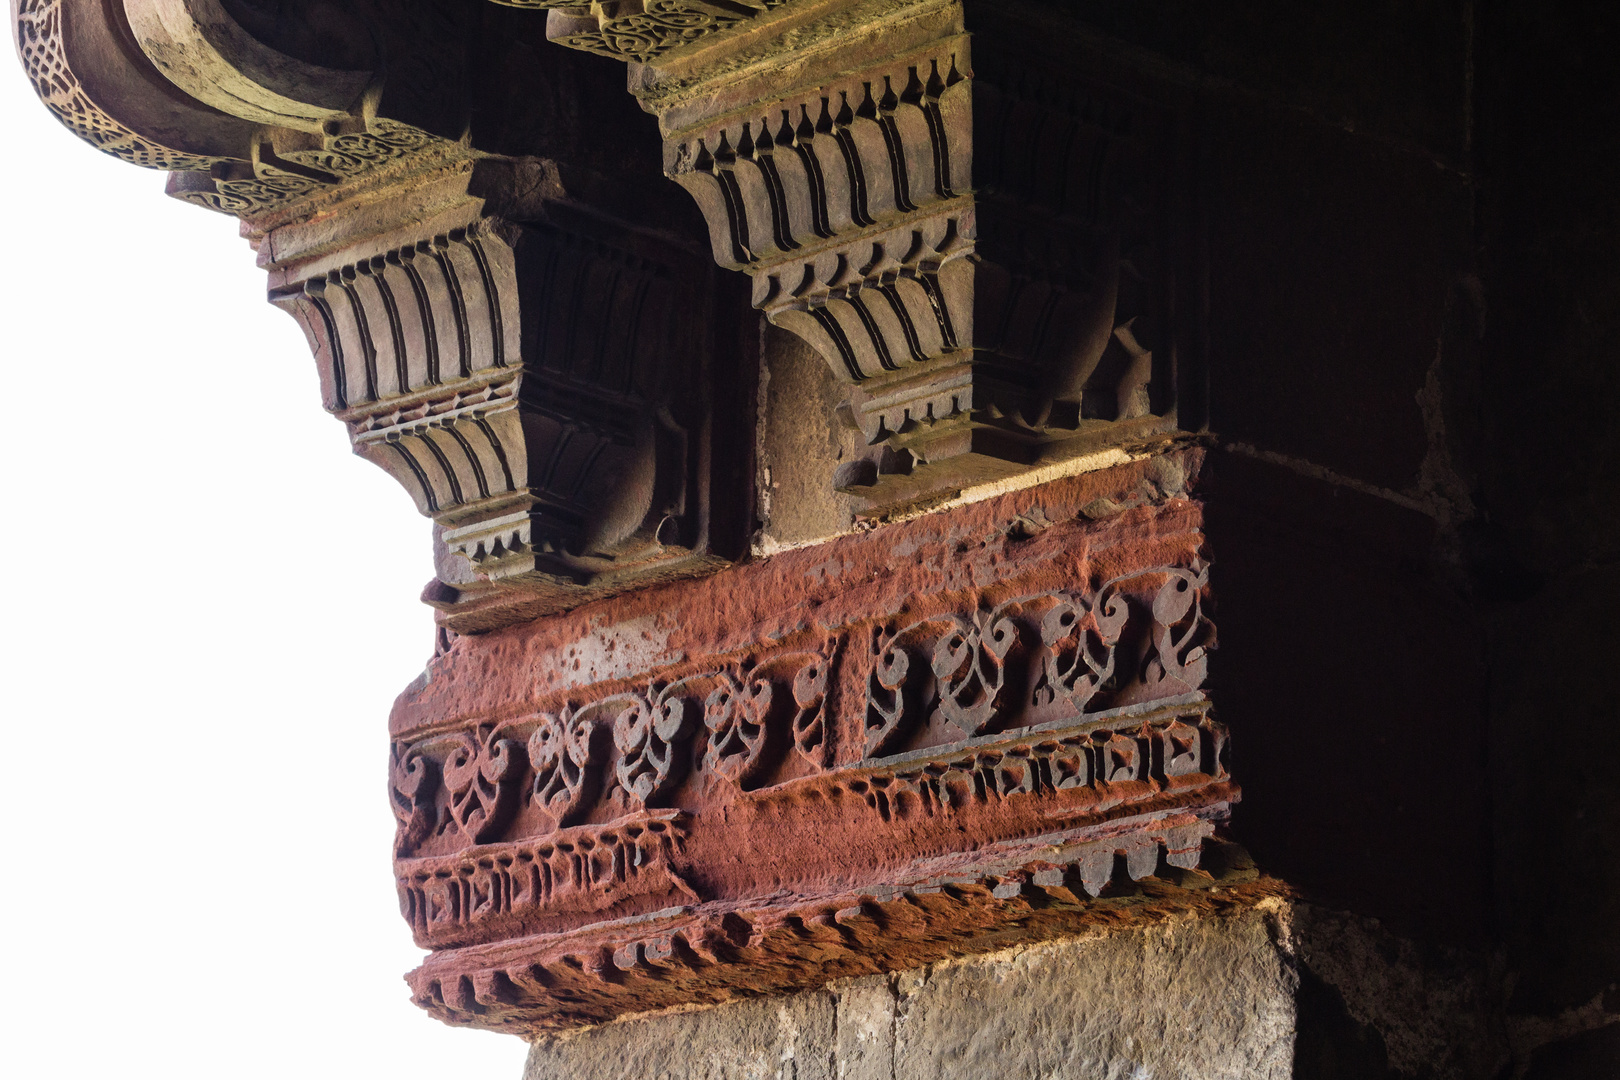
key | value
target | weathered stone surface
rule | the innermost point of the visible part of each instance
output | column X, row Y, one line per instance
column 781, row 1038
column 1191, row 999
column 801, row 443
column 1207, row 999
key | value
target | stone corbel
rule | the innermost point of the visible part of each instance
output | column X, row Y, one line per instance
column 531, row 368
column 973, row 245
column 976, row 238
column 535, row 383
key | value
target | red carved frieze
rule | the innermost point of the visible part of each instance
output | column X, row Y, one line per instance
column 889, row 747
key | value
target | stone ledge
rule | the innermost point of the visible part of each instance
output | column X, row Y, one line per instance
column 1204, row 998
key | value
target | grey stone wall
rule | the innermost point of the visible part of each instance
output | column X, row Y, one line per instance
column 1196, row 999
column 1285, row 991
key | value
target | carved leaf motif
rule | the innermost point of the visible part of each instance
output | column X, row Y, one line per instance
column 560, row 753
column 481, row 775
column 646, row 732
column 810, row 718
column 970, row 664
column 1080, row 640
column 1182, row 636
column 413, row 780
column 885, row 693
column 735, row 714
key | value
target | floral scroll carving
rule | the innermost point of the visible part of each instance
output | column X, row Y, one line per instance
column 810, row 731
column 1182, row 634
column 767, row 716
column 968, row 662
column 561, row 752
column 749, row 712
column 480, row 776
column 1080, row 636
column 968, row 680
column 648, row 729
column 736, row 714
column 413, row 779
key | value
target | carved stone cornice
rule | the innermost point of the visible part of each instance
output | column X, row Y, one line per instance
column 659, row 804
column 969, row 728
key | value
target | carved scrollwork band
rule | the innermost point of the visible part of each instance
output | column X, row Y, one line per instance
column 275, row 176
column 40, row 43
column 1023, row 684
column 975, row 671
column 634, row 744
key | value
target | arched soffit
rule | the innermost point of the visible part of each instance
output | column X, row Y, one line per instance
column 204, row 51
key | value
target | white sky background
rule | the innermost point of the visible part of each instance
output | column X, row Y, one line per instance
column 208, row 607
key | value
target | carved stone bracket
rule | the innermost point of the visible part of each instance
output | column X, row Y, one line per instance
column 531, row 366
column 537, row 390
column 962, row 730
column 975, row 239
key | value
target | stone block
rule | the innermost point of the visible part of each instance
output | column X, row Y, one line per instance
column 784, row 1038
column 1190, row 999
